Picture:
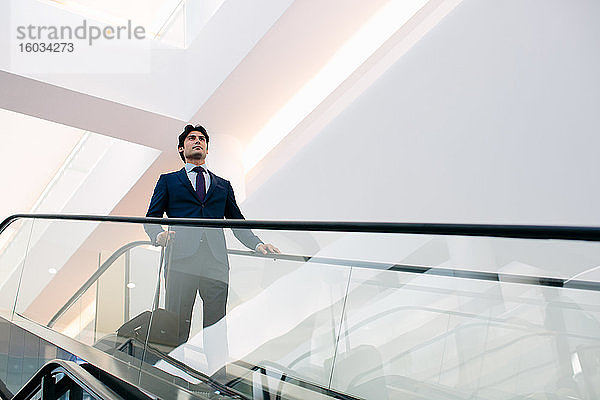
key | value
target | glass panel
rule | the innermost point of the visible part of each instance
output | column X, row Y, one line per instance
column 438, row 335
column 381, row 316
column 359, row 314
column 125, row 294
column 255, row 319
column 56, row 266
column 138, row 288
column 13, row 248
column 110, row 295
column 63, row 256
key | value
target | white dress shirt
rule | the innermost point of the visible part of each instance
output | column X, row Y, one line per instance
column 192, row 175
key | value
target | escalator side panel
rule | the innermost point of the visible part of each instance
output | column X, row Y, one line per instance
column 22, row 354
column 4, row 346
column 52, row 346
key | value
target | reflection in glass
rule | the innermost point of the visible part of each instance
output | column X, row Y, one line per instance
column 358, row 314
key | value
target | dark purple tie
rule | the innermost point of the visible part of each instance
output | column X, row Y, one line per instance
column 200, row 187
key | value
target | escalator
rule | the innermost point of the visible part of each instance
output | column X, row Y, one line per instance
column 349, row 311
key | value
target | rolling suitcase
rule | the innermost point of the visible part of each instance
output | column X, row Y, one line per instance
column 164, row 324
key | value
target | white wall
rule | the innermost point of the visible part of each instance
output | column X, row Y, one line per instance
column 492, row 117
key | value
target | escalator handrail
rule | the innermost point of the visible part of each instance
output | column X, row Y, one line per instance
column 94, row 277
column 489, row 230
column 74, row 372
column 267, row 366
column 567, row 283
column 225, row 387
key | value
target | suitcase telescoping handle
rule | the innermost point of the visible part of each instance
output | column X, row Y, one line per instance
column 157, row 292
column 163, row 269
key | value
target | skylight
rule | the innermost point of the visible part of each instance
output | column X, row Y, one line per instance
column 162, row 19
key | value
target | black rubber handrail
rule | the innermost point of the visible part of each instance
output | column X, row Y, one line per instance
column 124, row 389
column 421, row 269
column 228, row 388
column 221, row 387
column 73, row 372
column 287, row 375
column 507, row 231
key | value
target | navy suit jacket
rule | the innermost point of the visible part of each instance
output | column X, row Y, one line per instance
column 175, row 196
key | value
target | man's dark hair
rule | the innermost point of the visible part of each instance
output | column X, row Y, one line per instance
column 186, row 132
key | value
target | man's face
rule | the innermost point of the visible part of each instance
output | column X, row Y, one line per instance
column 194, row 147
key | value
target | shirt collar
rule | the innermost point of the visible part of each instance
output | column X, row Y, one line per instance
column 189, row 167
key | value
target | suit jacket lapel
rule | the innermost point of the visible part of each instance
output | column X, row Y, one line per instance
column 185, row 181
column 214, row 182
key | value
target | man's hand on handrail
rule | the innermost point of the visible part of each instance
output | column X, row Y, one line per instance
column 164, row 237
column 266, row 248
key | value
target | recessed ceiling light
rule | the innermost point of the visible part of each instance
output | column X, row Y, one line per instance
column 131, row 285
column 52, row 270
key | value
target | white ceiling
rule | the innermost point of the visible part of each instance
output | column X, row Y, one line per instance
column 144, row 74
column 38, row 149
column 245, row 61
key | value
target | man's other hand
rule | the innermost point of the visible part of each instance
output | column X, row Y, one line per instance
column 266, row 248
column 165, row 237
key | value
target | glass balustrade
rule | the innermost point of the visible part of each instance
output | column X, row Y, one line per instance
column 335, row 315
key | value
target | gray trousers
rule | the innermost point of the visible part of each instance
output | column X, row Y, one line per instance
column 200, row 273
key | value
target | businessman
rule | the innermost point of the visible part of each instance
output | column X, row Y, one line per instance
column 199, row 255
